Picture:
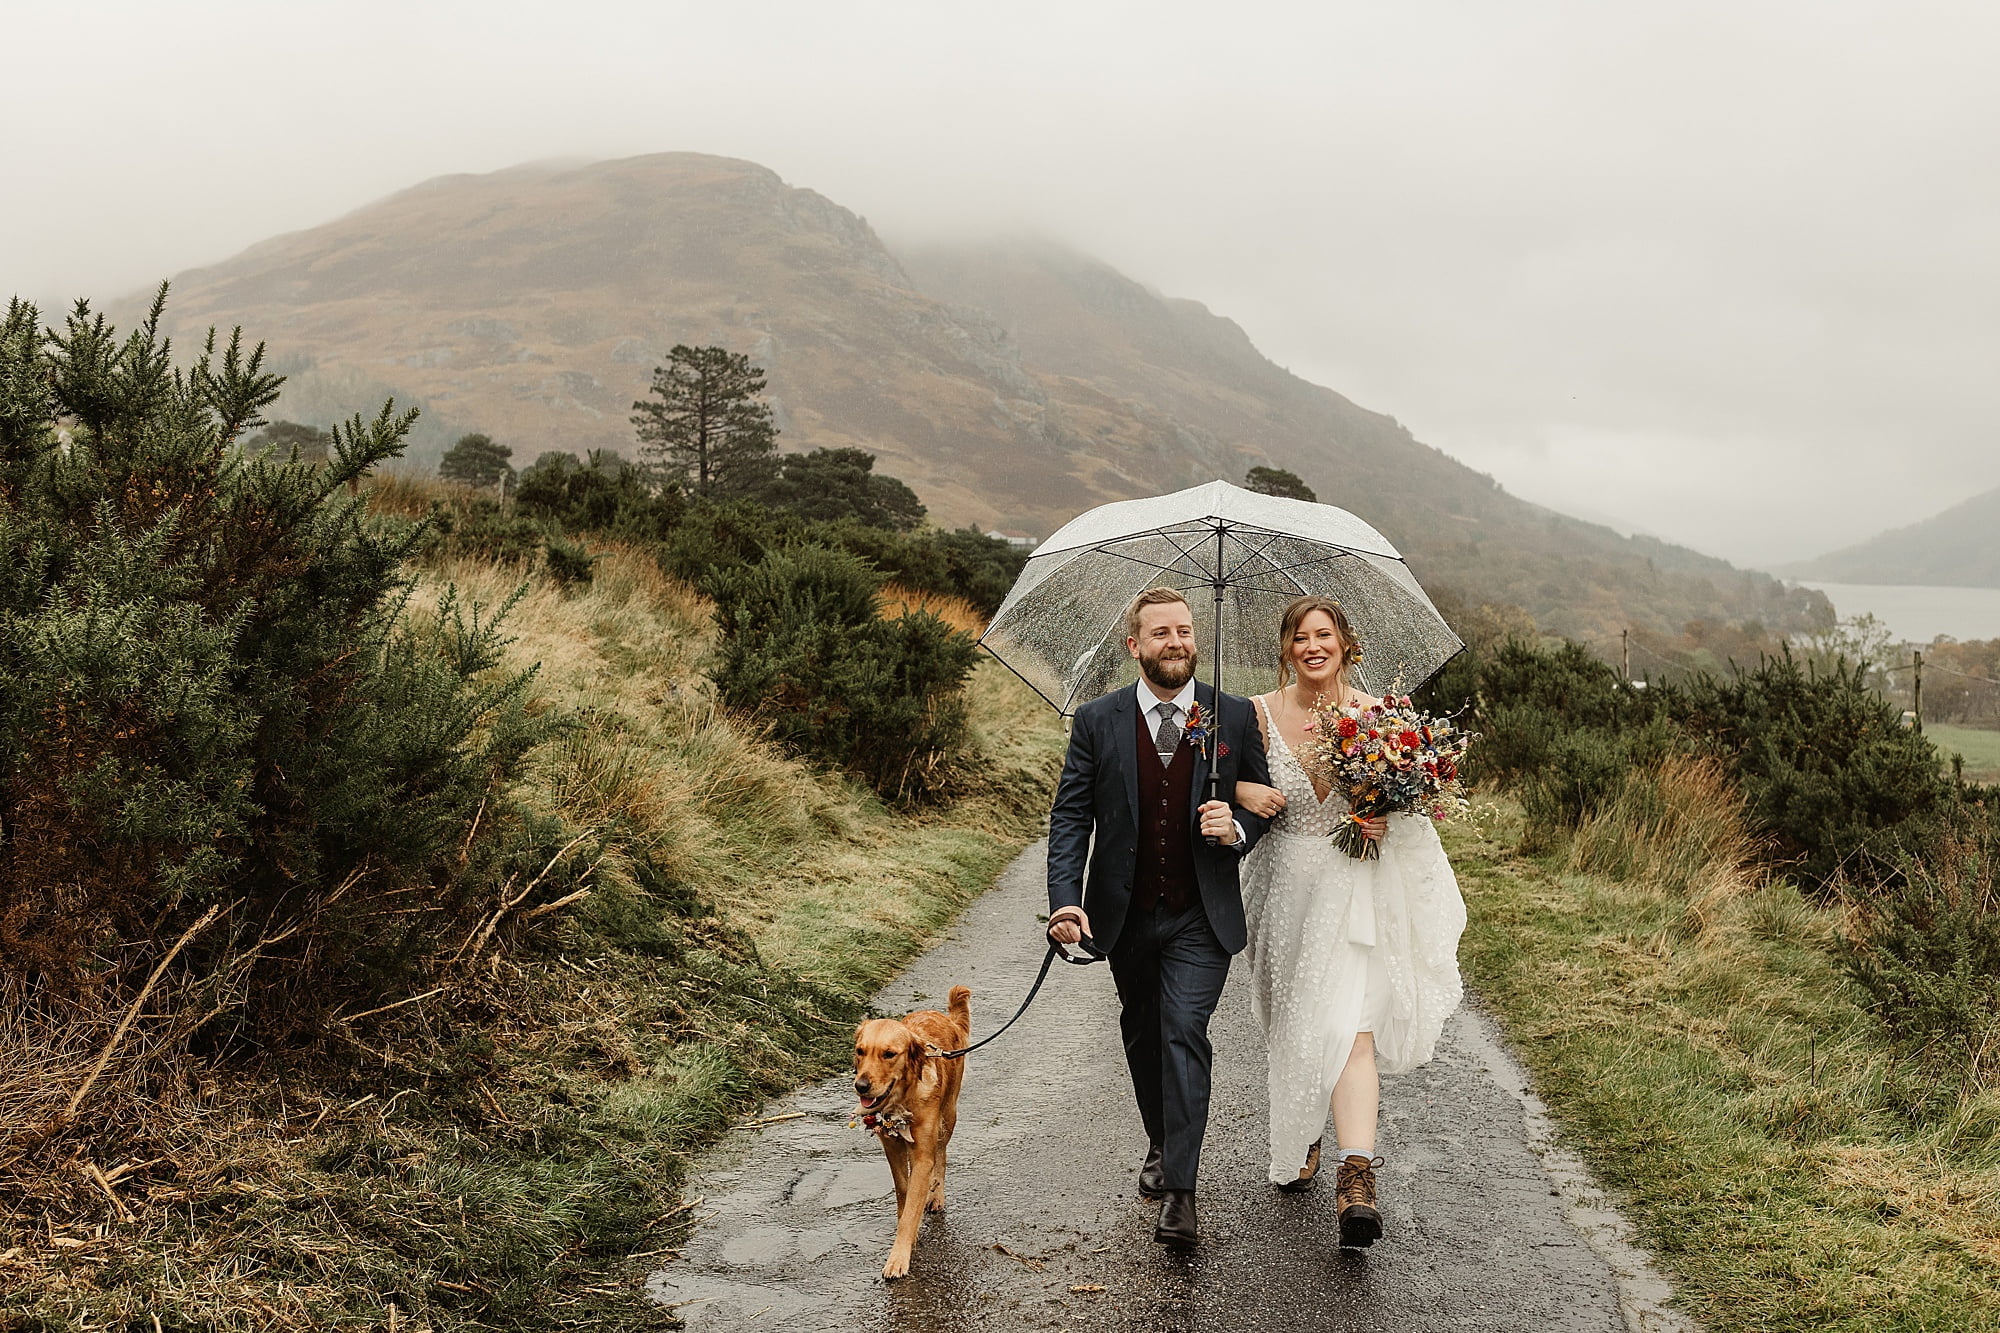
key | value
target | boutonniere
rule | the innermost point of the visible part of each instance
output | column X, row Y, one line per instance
column 1197, row 730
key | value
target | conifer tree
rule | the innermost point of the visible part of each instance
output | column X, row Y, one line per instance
column 477, row 460
column 1278, row 481
column 710, row 427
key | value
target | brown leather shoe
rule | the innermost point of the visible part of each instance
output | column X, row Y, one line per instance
column 1307, row 1173
column 1354, row 1195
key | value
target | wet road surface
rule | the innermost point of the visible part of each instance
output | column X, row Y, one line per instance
column 1490, row 1224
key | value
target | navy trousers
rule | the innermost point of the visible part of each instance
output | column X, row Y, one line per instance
column 1169, row 968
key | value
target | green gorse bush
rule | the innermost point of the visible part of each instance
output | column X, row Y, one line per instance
column 210, row 692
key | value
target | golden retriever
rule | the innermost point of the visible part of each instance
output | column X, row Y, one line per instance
column 909, row 1100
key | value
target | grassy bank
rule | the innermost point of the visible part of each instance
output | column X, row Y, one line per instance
column 1696, row 1033
column 504, row 1152
column 1979, row 747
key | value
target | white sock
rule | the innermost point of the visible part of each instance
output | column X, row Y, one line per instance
column 1346, row 1153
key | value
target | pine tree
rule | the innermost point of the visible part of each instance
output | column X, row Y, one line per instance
column 710, row 428
column 477, row 461
column 1277, row 481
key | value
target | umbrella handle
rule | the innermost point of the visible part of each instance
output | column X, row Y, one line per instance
column 1214, row 794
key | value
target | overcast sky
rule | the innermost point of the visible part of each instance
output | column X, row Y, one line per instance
column 1724, row 272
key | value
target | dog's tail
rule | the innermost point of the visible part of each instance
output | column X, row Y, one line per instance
column 961, row 1008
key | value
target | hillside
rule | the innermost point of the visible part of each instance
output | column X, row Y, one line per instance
column 1011, row 386
column 1958, row 548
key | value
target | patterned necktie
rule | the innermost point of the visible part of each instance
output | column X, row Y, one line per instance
column 1169, row 738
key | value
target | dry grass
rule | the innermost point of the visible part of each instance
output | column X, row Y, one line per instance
column 957, row 612
column 1680, row 827
column 489, row 1156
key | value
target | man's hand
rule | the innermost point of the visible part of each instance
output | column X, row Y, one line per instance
column 1069, row 925
column 1218, row 821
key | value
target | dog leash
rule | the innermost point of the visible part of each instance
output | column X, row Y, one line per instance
column 1091, row 954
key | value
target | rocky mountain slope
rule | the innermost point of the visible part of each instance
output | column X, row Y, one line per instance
column 1011, row 385
column 1957, row 548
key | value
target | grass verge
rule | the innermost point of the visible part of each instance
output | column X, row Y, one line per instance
column 1979, row 747
column 1713, row 1060
column 506, row 1152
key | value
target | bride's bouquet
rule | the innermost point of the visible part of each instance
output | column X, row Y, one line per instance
column 1389, row 758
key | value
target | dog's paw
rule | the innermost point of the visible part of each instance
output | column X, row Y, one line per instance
column 897, row 1267
column 935, row 1204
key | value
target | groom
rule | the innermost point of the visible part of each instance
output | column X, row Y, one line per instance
column 1157, row 896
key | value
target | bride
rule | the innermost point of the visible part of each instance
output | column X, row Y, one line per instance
column 1354, row 962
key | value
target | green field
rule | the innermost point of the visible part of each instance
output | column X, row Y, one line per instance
column 1979, row 747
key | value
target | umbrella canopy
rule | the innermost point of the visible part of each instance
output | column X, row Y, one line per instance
column 1239, row 557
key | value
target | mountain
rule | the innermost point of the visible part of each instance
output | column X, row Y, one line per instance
column 1011, row 385
column 1958, row 548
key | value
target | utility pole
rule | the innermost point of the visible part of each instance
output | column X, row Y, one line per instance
column 1625, row 655
column 1917, row 689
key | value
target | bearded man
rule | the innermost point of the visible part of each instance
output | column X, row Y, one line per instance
column 1139, row 862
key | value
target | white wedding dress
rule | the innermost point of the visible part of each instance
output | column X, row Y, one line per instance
column 1340, row 946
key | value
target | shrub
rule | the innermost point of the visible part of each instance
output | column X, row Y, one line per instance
column 714, row 539
column 1576, row 771
column 830, row 484
column 212, row 697
column 1928, row 954
column 804, row 650
column 600, row 493
column 1829, row 770
column 568, row 563
column 1558, row 719
column 488, row 531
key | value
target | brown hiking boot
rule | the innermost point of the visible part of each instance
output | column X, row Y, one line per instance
column 1307, row 1173
column 1354, row 1195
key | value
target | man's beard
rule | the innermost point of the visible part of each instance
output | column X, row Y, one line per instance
column 1169, row 673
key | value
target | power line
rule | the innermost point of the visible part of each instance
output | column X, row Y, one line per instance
column 1977, row 680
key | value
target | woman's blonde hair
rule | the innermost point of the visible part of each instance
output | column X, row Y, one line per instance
column 1294, row 616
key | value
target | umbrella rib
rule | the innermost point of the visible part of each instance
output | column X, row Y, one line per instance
column 1187, row 553
column 1060, row 710
column 1270, row 541
column 1338, row 554
column 1150, row 564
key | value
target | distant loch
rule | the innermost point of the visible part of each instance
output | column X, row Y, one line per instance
column 1918, row 613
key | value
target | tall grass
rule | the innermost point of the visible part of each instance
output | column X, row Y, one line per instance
column 1696, row 1027
column 958, row 612
column 1678, row 825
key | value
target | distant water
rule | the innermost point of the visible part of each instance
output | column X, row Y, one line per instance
column 1919, row 614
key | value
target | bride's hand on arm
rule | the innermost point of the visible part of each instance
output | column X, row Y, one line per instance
column 1264, row 802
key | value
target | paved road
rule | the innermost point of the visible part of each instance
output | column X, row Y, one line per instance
column 1490, row 1225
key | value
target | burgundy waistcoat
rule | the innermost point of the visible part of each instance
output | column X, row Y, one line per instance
column 1164, row 876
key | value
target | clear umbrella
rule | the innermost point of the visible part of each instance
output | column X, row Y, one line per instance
column 1239, row 557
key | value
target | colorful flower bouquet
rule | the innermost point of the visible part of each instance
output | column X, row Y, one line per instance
column 1390, row 758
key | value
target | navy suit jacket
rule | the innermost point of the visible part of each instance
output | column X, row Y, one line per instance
column 1094, row 827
